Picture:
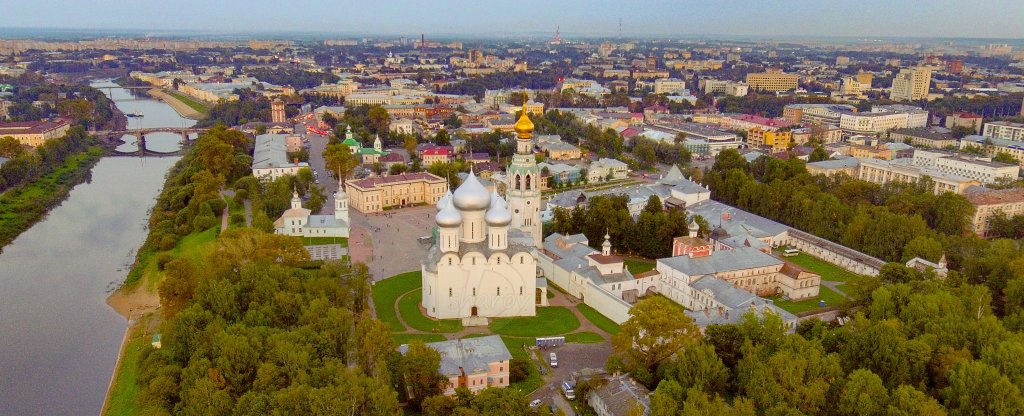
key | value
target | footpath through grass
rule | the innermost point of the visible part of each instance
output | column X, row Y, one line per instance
column 387, row 291
column 20, row 208
column 409, row 307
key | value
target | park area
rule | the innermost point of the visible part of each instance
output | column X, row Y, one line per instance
column 397, row 302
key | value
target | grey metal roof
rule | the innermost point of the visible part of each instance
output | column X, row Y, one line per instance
column 325, row 221
column 758, row 306
column 757, row 226
column 846, row 162
column 471, row 355
column 721, row 261
column 271, row 152
column 723, row 292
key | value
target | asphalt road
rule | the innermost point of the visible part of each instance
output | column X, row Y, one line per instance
column 316, row 146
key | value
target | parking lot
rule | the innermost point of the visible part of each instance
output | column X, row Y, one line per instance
column 571, row 358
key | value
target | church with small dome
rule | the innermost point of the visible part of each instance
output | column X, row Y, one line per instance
column 483, row 263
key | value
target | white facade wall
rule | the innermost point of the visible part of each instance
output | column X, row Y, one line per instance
column 607, row 303
column 496, row 287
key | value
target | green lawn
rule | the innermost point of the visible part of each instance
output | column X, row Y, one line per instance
column 515, row 346
column 407, row 338
column 308, row 241
column 196, row 105
column 831, row 299
column 192, row 247
column 551, row 320
column 595, row 317
column 387, row 291
column 585, row 337
column 409, row 307
column 639, row 266
column 126, row 387
column 828, row 271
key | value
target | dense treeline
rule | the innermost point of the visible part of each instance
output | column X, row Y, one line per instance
column 26, row 166
column 767, row 105
column 248, row 332
column 649, row 235
column 191, row 200
column 250, row 107
column 605, row 143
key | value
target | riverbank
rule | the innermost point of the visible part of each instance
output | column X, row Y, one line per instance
column 189, row 109
column 23, row 207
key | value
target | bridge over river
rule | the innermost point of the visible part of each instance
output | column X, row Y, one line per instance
column 112, row 138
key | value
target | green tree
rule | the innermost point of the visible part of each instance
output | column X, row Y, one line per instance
column 655, row 330
column 863, row 395
column 420, row 369
column 340, row 160
column 1004, row 157
column 976, row 388
column 818, row 154
column 10, row 147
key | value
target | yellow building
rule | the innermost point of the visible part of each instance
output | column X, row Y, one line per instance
column 773, row 80
column 34, row 133
column 777, row 141
column 865, row 78
column 988, row 202
column 877, row 152
column 377, row 193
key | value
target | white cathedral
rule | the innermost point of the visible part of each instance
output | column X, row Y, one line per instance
column 483, row 263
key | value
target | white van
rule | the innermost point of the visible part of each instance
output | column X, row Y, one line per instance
column 568, row 391
column 790, row 252
column 553, row 360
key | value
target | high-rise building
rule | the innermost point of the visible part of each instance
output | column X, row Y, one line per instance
column 277, row 111
column 911, row 84
column 524, row 181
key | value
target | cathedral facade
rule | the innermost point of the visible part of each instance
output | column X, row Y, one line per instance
column 483, row 262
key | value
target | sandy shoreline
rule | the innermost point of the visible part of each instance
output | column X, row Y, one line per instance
column 183, row 109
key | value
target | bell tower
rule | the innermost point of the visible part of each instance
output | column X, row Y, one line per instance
column 523, row 188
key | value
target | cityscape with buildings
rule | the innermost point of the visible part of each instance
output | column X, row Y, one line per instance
column 534, row 223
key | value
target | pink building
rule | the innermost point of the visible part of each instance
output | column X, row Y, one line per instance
column 473, row 363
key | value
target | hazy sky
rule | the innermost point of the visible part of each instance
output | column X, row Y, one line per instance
column 867, row 18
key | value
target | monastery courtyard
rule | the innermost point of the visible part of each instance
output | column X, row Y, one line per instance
column 389, row 241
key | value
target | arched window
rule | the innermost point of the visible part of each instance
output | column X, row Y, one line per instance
column 518, row 179
column 527, row 182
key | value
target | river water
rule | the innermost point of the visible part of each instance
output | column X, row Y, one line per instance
column 58, row 338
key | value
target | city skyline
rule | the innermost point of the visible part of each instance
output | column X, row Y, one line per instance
column 865, row 19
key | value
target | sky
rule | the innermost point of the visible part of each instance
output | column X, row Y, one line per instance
column 850, row 18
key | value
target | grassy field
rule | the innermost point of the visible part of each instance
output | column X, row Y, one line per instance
column 407, row 338
column 126, row 388
column 595, row 317
column 830, row 297
column 409, row 307
column 387, row 291
column 551, row 320
column 195, row 105
column 828, row 271
column 20, row 208
column 307, row 241
column 639, row 266
column 585, row 337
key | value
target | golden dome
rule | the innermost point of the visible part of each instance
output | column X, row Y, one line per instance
column 524, row 127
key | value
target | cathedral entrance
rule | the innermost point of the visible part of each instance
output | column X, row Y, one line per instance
column 472, row 312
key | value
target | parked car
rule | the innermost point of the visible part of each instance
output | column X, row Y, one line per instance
column 535, row 404
column 554, row 360
column 568, row 391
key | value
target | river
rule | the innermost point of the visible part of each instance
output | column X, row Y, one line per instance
column 58, row 338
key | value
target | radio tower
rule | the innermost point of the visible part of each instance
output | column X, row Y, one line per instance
column 557, row 40
column 620, row 28
column 423, row 41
